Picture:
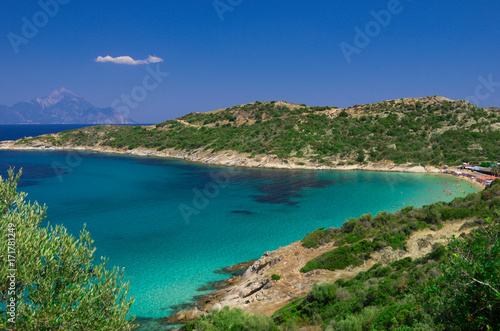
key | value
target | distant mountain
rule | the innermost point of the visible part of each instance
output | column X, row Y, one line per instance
column 60, row 107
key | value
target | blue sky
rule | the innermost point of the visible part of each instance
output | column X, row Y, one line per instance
column 259, row 50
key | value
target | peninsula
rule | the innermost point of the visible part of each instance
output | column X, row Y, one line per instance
column 413, row 135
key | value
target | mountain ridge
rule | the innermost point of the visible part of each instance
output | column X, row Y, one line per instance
column 60, row 107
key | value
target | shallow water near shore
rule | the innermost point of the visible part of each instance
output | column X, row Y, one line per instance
column 171, row 223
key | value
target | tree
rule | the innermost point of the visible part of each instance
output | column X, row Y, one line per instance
column 51, row 277
column 495, row 170
column 467, row 295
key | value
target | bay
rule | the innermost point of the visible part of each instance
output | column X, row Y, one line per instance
column 171, row 223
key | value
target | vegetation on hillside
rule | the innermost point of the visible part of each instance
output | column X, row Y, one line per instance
column 429, row 130
column 455, row 287
column 51, row 277
column 359, row 237
column 231, row 319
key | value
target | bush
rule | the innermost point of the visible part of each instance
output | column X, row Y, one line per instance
column 317, row 238
column 322, row 293
column 339, row 258
column 275, row 277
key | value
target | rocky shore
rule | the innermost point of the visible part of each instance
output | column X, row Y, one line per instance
column 255, row 291
column 226, row 158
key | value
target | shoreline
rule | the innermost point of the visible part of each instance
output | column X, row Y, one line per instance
column 469, row 180
column 228, row 158
column 233, row 159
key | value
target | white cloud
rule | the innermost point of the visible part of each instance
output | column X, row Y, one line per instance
column 128, row 60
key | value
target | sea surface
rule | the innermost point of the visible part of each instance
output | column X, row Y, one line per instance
column 171, row 223
column 18, row 131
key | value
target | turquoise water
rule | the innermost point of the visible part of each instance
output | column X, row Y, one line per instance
column 132, row 208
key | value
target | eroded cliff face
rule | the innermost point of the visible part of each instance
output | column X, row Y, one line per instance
column 255, row 291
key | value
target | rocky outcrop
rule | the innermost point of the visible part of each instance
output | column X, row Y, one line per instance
column 184, row 316
column 236, row 269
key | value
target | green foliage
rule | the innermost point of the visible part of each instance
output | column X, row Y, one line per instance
column 467, row 294
column 233, row 319
column 322, row 293
column 339, row 258
column 361, row 156
column 382, row 298
column 317, row 238
column 58, row 284
column 275, row 277
column 455, row 287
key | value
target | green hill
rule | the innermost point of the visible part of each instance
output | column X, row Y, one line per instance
column 431, row 130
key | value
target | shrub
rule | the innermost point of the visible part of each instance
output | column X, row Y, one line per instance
column 339, row 258
column 317, row 238
column 402, row 264
column 275, row 277
column 322, row 293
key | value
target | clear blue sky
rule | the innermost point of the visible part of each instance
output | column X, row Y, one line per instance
column 261, row 50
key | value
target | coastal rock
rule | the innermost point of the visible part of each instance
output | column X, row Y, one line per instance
column 252, row 287
column 192, row 314
column 236, row 269
column 183, row 316
column 177, row 318
column 214, row 307
column 265, row 262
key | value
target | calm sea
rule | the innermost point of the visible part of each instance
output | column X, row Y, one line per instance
column 171, row 223
column 14, row 132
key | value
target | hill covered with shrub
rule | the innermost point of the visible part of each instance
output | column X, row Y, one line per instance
column 431, row 130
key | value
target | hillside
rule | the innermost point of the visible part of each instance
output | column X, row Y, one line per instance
column 60, row 107
column 431, row 268
column 428, row 131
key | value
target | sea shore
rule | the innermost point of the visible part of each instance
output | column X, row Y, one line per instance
column 235, row 159
column 228, row 158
